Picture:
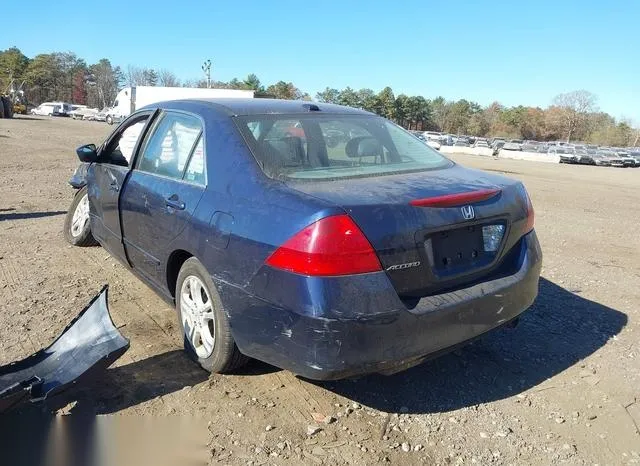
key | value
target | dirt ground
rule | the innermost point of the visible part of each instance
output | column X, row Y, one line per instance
column 562, row 387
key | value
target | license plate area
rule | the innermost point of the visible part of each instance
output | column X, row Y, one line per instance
column 464, row 250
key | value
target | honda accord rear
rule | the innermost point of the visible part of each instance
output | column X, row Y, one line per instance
column 372, row 253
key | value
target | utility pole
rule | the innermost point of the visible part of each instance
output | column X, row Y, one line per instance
column 206, row 67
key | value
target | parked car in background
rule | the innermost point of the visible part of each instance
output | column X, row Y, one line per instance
column 613, row 158
column 433, row 144
column 74, row 109
column 461, row 142
column 447, row 140
column 348, row 281
column 481, row 143
column 583, row 157
column 82, row 112
column 636, row 157
column 98, row 116
column 46, row 109
column 514, row 144
column 433, row 135
column 543, row 148
column 530, row 146
column 627, row 160
column 566, row 154
column 601, row 160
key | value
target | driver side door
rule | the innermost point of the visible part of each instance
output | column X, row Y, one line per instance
column 106, row 178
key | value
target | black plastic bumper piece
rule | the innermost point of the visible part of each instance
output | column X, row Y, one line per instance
column 88, row 345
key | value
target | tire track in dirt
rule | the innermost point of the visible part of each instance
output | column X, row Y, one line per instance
column 9, row 277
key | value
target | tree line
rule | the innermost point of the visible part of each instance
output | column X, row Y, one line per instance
column 573, row 116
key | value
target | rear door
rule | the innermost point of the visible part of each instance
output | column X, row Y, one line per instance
column 163, row 190
column 106, row 178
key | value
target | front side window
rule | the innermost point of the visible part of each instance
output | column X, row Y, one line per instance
column 119, row 150
column 170, row 144
column 317, row 147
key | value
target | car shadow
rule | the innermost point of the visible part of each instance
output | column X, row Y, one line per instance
column 27, row 118
column 131, row 384
column 28, row 215
column 561, row 329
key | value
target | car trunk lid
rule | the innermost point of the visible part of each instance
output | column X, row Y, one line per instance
column 431, row 229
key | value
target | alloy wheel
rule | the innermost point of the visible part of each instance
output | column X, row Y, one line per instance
column 196, row 313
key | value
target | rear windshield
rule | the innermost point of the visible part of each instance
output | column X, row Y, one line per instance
column 323, row 147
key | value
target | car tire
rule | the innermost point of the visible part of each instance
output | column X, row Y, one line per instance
column 207, row 340
column 77, row 228
column 109, row 120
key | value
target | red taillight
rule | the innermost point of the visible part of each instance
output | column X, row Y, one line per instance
column 530, row 215
column 331, row 246
column 453, row 200
column 524, row 195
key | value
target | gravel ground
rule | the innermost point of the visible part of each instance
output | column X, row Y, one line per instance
column 562, row 387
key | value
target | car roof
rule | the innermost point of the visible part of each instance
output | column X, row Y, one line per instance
column 261, row 106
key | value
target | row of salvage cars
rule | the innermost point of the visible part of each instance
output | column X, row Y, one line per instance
column 605, row 157
column 576, row 153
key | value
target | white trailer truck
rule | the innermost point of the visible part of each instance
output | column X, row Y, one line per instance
column 130, row 99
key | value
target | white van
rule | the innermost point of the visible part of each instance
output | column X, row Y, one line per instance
column 46, row 109
column 52, row 109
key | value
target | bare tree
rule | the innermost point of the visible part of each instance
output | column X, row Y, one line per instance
column 135, row 76
column 103, row 81
column 167, row 79
column 575, row 108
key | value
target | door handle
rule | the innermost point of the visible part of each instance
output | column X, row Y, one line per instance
column 114, row 186
column 175, row 203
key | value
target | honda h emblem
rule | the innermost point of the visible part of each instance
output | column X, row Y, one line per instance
column 468, row 212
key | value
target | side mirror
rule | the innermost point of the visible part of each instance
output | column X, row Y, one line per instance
column 87, row 153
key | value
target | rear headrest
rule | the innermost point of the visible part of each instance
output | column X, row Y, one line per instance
column 363, row 146
column 285, row 152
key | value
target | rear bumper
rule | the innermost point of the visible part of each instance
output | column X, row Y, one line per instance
column 389, row 337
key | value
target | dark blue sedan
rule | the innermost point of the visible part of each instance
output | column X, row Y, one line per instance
column 314, row 237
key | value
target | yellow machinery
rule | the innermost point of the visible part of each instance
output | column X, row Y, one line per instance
column 13, row 100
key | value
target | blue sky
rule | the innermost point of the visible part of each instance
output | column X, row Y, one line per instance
column 506, row 50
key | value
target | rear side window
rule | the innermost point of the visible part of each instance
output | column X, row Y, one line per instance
column 195, row 172
column 317, row 147
column 169, row 145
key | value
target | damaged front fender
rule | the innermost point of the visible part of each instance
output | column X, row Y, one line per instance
column 79, row 178
column 88, row 345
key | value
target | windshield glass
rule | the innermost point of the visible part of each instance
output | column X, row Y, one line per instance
column 322, row 147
